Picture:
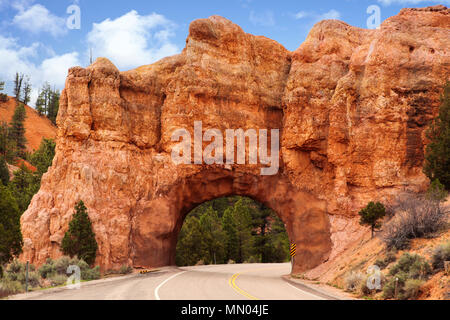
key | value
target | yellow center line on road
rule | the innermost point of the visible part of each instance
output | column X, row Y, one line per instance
column 232, row 282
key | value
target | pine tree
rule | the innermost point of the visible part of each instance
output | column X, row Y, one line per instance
column 26, row 91
column 3, row 97
column 437, row 157
column 10, row 235
column 53, row 107
column 232, row 242
column 79, row 240
column 4, row 172
column 18, row 86
column 7, row 146
column 17, row 130
column 371, row 215
column 42, row 159
column 47, row 102
column 190, row 244
column 24, row 186
column 213, row 237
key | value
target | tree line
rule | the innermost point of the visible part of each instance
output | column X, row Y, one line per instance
column 47, row 102
column 16, row 193
column 232, row 229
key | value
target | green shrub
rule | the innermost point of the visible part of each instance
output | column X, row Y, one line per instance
column 388, row 258
column 61, row 265
column 437, row 191
column 91, row 274
column 440, row 255
column 411, row 289
column 8, row 287
column 411, row 271
column 413, row 265
column 125, row 269
column 58, row 280
column 47, row 269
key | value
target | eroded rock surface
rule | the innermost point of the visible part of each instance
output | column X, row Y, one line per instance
column 352, row 106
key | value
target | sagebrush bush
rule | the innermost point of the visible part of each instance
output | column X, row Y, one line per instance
column 58, row 280
column 353, row 281
column 8, row 287
column 417, row 217
column 125, row 269
column 16, row 272
column 440, row 255
column 411, row 271
column 411, row 290
column 91, row 274
column 389, row 258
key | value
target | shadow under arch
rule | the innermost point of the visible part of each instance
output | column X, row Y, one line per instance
column 159, row 221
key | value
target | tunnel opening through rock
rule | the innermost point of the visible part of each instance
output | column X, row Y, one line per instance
column 232, row 229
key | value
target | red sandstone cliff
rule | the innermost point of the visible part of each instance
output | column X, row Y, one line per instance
column 352, row 105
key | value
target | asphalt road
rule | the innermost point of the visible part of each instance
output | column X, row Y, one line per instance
column 214, row 282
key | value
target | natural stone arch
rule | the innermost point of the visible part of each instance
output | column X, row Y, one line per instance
column 352, row 116
column 305, row 217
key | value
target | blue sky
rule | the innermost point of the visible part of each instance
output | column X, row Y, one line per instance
column 35, row 39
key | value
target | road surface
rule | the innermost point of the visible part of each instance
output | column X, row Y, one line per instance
column 214, row 282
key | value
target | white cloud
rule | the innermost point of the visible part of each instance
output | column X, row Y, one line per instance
column 16, row 58
column 20, row 4
column 37, row 19
column 389, row 2
column 133, row 40
column 265, row 19
column 332, row 14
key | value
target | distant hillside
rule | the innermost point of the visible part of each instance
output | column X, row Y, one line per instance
column 36, row 127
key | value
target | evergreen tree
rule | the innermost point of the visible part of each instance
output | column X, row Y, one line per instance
column 17, row 130
column 26, row 91
column 213, row 237
column 231, row 235
column 18, row 80
column 47, row 102
column 243, row 220
column 79, row 240
column 232, row 228
column 24, row 186
column 190, row 247
column 3, row 97
column 437, row 191
column 4, row 172
column 53, row 107
column 371, row 215
column 437, row 157
column 42, row 159
column 7, row 146
column 10, row 235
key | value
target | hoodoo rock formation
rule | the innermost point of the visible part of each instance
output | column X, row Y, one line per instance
column 352, row 106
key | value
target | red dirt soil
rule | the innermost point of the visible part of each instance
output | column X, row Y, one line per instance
column 36, row 127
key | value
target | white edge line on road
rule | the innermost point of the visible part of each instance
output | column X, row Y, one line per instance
column 305, row 292
column 164, row 282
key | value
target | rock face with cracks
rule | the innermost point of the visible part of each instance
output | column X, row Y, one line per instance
column 352, row 106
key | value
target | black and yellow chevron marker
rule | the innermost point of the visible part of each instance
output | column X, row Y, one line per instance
column 293, row 249
column 144, row 271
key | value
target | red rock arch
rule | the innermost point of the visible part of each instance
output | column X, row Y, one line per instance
column 346, row 102
column 305, row 217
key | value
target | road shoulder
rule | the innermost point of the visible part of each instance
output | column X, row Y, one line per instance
column 321, row 290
